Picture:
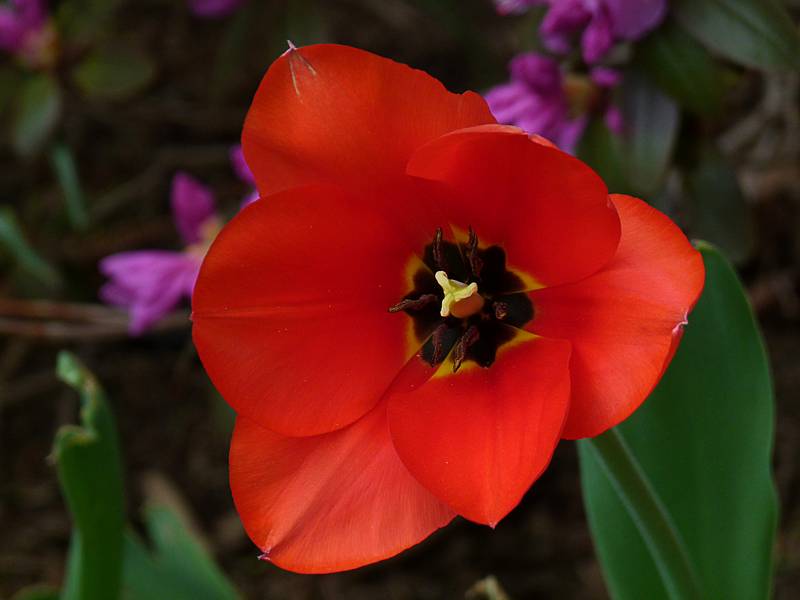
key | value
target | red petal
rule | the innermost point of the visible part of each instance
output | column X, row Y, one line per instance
column 330, row 502
column 625, row 321
column 332, row 113
column 480, row 437
column 548, row 210
column 290, row 307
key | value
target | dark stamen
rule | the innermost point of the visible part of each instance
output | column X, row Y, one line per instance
column 438, row 348
column 411, row 304
column 475, row 262
column 500, row 310
column 438, row 256
column 462, row 345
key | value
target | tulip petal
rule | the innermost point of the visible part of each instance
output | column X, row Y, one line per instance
column 549, row 211
column 330, row 502
column 335, row 114
column 291, row 305
column 625, row 321
column 479, row 438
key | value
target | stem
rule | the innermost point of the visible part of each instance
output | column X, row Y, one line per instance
column 649, row 515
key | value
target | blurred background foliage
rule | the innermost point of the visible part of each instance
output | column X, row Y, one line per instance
column 116, row 96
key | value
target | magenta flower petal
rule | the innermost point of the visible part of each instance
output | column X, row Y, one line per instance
column 11, row 32
column 213, row 9
column 633, row 18
column 32, row 12
column 192, row 206
column 509, row 7
column 240, row 167
column 598, row 37
column 249, row 199
column 535, row 101
column 148, row 283
column 614, row 121
column 562, row 22
column 539, row 72
column 18, row 20
column 606, row 77
column 599, row 23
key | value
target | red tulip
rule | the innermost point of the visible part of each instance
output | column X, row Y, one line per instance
column 420, row 307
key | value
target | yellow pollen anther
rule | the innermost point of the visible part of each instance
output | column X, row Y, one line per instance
column 460, row 300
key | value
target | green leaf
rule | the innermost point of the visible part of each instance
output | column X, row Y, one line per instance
column 179, row 567
column 67, row 175
column 114, row 72
column 37, row 112
column 14, row 242
column 716, row 206
column 651, row 128
column 681, row 67
column 88, row 461
column 603, row 151
column 704, row 439
column 754, row 33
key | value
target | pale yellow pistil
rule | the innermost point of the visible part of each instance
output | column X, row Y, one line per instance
column 460, row 300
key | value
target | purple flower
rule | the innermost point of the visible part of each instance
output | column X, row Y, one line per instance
column 150, row 283
column 213, row 9
column 541, row 100
column 598, row 22
column 26, row 32
column 244, row 173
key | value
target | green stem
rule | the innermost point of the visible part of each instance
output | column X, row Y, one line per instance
column 649, row 514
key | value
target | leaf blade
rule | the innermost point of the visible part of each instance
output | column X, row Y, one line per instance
column 88, row 462
column 712, row 470
column 754, row 33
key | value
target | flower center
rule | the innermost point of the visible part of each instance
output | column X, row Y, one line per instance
column 451, row 320
column 460, row 300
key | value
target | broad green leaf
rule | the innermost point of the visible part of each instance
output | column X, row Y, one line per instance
column 14, row 242
column 37, row 112
column 681, row 67
column 603, row 151
column 178, row 568
column 651, row 127
column 704, row 439
column 716, row 206
column 67, row 175
column 754, row 33
column 88, row 461
column 114, row 72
